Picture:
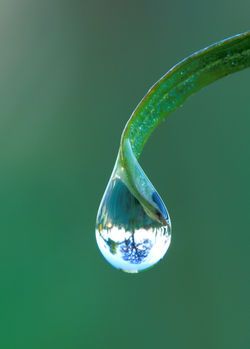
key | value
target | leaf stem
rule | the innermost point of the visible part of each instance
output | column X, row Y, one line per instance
column 184, row 79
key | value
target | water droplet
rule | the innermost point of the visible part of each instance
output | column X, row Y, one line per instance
column 129, row 236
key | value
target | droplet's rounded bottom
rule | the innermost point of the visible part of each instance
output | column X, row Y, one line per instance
column 135, row 251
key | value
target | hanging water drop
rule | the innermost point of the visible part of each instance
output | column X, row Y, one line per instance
column 132, row 233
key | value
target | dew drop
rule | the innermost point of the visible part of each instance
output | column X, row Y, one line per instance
column 128, row 237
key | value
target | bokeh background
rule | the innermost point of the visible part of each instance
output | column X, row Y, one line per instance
column 71, row 74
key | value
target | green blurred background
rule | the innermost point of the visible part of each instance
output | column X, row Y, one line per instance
column 71, row 74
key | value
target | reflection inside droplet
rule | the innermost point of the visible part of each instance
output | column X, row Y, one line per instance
column 127, row 236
